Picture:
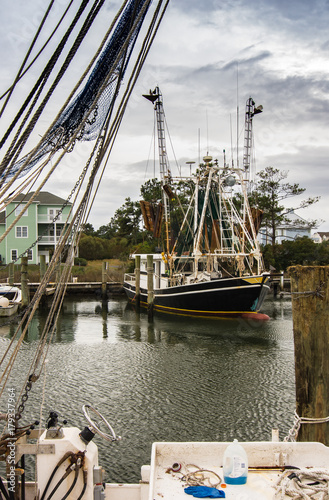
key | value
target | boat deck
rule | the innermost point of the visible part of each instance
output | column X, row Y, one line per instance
column 266, row 465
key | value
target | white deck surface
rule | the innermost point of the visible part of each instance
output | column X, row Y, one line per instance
column 165, row 485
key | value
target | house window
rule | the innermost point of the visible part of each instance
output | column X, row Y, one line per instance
column 53, row 212
column 19, row 209
column 14, row 255
column 21, row 232
column 30, row 254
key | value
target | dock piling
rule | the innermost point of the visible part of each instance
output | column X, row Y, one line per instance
column 310, row 308
column 24, row 282
column 138, row 279
column 11, row 278
column 150, row 289
column 42, row 266
column 104, row 280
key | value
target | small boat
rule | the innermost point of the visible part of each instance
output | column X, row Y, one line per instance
column 210, row 263
column 10, row 300
column 67, row 466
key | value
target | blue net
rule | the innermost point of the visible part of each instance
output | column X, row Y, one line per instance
column 111, row 60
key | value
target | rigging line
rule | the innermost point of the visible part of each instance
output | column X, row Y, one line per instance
column 46, row 279
column 27, row 318
column 95, row 170
column 30, row 156
column 172, row 147
column 16, row 149
column 124, row 100
column 35, row 194
column 44, row 181
column 19, row 74
column 70, row 97
column 149, row 154
column 60, row 289
column 37, row 296
column 45, row 73
column 20, row 188
column 138, row 65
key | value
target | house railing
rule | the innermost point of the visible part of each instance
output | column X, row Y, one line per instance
column 49, row 218
column 49, row 239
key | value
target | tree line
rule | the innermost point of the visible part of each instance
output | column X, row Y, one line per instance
column 125, row 233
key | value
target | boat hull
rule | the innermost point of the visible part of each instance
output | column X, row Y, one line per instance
column 9, row 310
column 226, row 297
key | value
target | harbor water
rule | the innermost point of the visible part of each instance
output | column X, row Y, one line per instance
column 172, row 379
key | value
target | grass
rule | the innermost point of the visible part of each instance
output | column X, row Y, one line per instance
column 91, row 272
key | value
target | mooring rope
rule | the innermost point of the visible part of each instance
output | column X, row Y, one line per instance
column 298, row 421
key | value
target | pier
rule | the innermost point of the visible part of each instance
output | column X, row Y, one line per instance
column 112, row 288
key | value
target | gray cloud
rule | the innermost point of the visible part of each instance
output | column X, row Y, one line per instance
column 205, row 55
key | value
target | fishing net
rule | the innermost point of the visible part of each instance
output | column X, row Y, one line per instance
column 92, row 104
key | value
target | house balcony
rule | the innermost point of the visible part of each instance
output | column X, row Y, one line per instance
column 46, row 219
column 49, row 240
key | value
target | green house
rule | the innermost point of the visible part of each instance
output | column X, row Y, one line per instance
column 38, row 230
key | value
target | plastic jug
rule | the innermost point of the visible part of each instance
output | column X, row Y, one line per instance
column 235, row 464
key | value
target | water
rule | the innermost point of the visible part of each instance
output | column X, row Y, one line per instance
column 176, row 379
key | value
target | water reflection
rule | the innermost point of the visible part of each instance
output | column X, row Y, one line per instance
column 174, row 378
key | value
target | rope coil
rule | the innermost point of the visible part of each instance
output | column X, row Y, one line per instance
column 303, row 484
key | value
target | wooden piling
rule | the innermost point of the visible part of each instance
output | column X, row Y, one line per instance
column 310, row 307
column 24, row 282
column 104, row 280
column 42, row 266
column 138, row 279
column 11, row 278
column 150, row 290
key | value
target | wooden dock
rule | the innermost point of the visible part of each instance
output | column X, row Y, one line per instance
column 78, row 288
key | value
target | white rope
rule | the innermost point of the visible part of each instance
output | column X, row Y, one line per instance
column 298, row 421
column 304, row 484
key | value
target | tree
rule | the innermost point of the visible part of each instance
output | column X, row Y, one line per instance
column 151, row 191
column 124, row 224
column 88, row 229
column 302, row 251
column 268, row 196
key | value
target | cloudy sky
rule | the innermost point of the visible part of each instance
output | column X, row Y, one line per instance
column 208, row 58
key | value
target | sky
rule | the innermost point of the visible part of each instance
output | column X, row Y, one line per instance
column 208, row 58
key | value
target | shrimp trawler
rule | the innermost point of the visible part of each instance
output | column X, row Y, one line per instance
column 211, row 264
column 49, row 459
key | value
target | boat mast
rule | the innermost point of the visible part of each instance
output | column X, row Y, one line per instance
column 155, row 96
column 251, row 110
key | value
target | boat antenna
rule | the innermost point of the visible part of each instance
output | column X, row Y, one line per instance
column 190, row 163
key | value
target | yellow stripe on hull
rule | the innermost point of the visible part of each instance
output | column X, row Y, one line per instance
column 256, row 279
column 193, row 312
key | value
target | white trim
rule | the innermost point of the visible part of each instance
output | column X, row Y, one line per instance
column 208, row 290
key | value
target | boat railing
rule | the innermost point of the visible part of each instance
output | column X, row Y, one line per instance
column 130, row 277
